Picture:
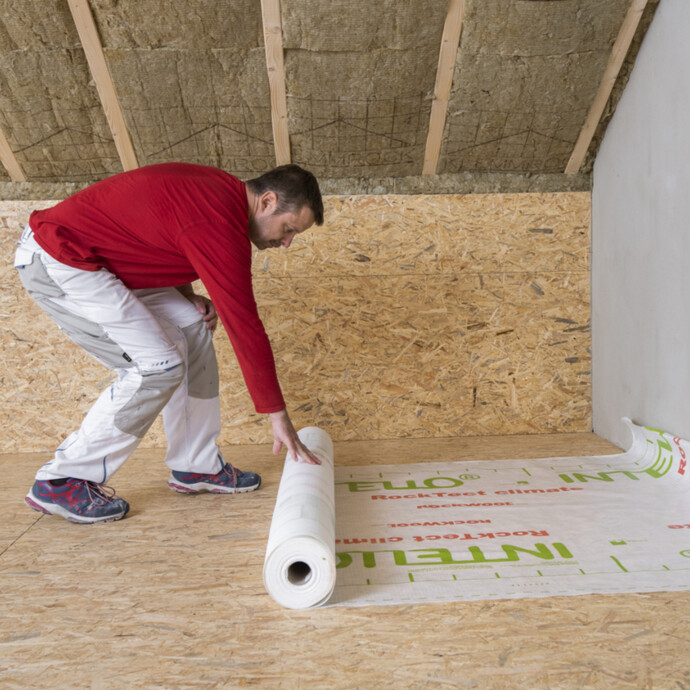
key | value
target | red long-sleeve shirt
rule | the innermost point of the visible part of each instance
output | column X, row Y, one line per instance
column 164, row 226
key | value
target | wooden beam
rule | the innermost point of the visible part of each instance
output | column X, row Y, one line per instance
column 273, row 40
column 618, row 53
column 444, row 80
column 86, row 27
column 9, row 161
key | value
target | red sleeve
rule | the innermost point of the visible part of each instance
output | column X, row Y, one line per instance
column 222, row 258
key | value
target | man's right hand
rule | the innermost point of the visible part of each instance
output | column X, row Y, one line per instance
column 284, row 434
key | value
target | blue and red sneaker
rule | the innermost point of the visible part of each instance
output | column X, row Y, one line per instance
column 228, row 481
column 77, row 500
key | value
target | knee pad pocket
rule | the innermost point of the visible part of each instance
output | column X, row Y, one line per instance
column 137, row 415
column 202, row 365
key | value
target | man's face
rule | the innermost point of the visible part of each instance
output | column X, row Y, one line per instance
column 270, row 229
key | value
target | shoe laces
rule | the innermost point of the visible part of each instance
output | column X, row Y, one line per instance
column 100, row 494
column 231, row 472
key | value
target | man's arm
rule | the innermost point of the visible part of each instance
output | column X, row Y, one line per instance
column 283, row 430
column 228, row 278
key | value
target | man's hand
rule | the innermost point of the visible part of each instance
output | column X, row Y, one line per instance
column 205, row 306
column 284, row 433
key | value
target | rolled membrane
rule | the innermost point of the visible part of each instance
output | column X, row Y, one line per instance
column 299, row 568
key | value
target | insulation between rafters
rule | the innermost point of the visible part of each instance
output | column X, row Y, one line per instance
column 83, row 19
column 618, row 53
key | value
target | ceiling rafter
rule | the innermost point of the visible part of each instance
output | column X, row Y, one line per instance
column 9, row 160
column 91, row 42
column 273, row 40
column 618, row 53
column 444, row 81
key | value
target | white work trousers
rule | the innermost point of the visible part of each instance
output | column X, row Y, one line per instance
column 156, row 342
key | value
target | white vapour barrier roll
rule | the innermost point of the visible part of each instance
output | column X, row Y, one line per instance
column 299, row 569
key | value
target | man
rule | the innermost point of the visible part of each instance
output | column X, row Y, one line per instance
column 113, row 266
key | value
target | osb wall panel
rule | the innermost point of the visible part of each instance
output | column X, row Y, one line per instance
column 404, row 316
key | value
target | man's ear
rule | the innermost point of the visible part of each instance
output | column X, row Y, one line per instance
column 268, row 202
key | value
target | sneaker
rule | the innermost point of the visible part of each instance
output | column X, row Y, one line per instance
column 77, row 500
column 228, row 481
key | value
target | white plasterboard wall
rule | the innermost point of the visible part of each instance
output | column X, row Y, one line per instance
column 641, row 241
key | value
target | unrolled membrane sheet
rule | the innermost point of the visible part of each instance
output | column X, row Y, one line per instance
column 463, row 531
column 299, row 568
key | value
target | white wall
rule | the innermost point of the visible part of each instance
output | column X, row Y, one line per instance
column 641, row 241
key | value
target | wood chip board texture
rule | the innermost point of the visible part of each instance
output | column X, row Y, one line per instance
column 402, row 317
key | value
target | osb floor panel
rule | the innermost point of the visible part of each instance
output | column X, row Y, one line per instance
column 172, row 597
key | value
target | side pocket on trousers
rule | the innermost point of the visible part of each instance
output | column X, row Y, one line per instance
column 36, row 280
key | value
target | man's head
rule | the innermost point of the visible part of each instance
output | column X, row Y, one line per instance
column 282, row 203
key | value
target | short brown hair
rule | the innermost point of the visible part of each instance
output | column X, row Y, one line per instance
column 295, row 188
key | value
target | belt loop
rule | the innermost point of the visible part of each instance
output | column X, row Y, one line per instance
column 27, row 234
